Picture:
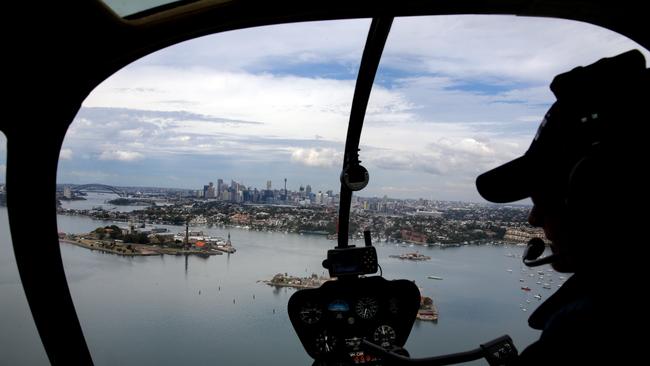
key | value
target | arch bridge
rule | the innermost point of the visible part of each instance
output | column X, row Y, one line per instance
column 98, row 188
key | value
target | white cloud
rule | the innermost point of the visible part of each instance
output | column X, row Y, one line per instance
column 132, row 133
column 66, row 154
column 514, row 48
column 317, row 157
column 336, row 42
column 466, row 145
column 460, row 94
column 83, row 176
column 183, row 138
column 285, row 104
column 120, row 155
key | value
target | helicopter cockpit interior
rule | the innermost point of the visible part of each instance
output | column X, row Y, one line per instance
column 366, row 320
column 64, row 51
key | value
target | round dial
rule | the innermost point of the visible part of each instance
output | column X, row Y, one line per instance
column 325, row 343
column 394, row 305
column 384, row 336
column 310, row 313
column 367, row 307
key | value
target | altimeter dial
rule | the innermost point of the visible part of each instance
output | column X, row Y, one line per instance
column 310, row 313
column 367, row 307
column 325, row 343
column 384, row 336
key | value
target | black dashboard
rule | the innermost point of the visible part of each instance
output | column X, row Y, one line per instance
column 333, row 320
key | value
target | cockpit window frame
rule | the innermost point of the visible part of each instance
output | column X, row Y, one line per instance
column 94, row 44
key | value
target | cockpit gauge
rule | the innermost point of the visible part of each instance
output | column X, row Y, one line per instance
column 310, row 313
column 367, row 307
column 352, row 310
column 325, row 343
column 384, row 336
column 393, row 305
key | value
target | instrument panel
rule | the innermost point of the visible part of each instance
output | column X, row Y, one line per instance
column 332, row 320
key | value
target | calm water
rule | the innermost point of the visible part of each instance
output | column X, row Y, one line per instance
column 148, row 310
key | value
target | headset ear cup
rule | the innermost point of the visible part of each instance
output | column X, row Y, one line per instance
column 589, row 200
column 579, row 183
column 590, row 181
column 582, row 210
column 593, row 195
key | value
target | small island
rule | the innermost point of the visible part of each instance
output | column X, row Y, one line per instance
column 146, row 242
column 285, row 280
column 415, row 256
column 427, row 310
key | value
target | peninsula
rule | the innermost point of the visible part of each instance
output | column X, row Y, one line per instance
column 140, row 242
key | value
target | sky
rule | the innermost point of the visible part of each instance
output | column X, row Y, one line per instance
column 454, row 96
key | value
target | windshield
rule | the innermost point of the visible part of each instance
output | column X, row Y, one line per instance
column 199, row 186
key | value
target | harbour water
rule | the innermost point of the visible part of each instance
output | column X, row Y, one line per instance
column 98, row 200
column 170, row 310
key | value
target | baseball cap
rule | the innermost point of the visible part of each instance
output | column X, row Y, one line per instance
column 594, row 103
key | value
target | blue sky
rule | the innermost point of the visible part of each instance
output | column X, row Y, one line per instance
column 455, row 96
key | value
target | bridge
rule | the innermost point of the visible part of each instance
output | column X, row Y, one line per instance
column 98, row 188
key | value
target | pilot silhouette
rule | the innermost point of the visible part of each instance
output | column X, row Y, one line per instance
column 583, row 173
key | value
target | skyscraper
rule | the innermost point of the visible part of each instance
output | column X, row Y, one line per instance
column 211, row 193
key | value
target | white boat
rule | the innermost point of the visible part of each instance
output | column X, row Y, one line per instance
column 434, row 278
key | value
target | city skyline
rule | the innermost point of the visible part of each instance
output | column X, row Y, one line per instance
column 194, row 193
column 454, row 96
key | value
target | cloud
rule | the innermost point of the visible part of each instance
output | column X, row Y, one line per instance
column 262, row 49
column 503, row 47
column 317, row 157
column 277, row 104
column 467, row 145
column 133, row 133
column 454, row 95
column 66, row 154
column 183, row 138
column 84, row 176
column 121, row 155
column 162, row 135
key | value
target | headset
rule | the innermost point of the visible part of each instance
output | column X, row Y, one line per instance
column 599, row 175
